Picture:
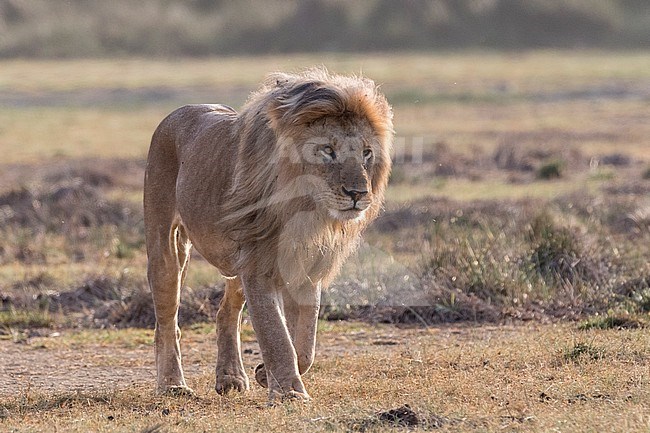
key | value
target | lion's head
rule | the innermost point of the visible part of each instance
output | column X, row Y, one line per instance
column 338, row 131
column 311, row 142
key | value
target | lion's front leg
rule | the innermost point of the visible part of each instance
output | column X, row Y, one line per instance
column 301, row 307
column 278, row 353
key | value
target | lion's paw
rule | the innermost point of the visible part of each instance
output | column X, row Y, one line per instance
column 229, row 382
column 176, row 391
column 260, row 375
column 276, row 397
column 296, row 396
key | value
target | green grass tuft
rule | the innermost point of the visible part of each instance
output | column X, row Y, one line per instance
column 551, row 170
column 556, row 251
column 25, row 319
column 612, row 322
column 583, row 351
column 646, row 174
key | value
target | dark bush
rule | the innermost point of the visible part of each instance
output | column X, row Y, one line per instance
column 555, row 252
column 646, row 174
column 551, row 170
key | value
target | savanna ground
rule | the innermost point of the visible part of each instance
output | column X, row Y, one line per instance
column 506, row 286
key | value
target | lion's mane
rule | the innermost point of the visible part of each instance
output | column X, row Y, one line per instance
column 265, row 197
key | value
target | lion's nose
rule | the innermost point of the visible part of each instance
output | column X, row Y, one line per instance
column 355, row 194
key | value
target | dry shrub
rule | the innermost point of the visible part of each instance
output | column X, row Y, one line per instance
column 93, row 293
column 413, row 165
column 196, row 306
column 492, row 260
column 500, row 215
column 557, row 254
column 93, row 177
column 21, row 294
column 509, row 156
column 448, row 163
column 530, row 151
column 613, row 322
column 487, row 260
column 622, row 212
column 616, row 159
column 633, row 188
column 69, row 198
column 100, row 173
column 409, row 215
column 63, row 208
column 634, row 286
column 66, row 215
column 445, row 306
column 122, row 302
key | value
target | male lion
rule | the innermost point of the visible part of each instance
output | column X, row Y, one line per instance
column 276, row 198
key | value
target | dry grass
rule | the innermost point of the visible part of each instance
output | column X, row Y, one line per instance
column 521, row 378
column 35, row 135
column 465, row 73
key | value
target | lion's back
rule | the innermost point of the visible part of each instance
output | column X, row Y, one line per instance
column 187, row 123
column 206, row 148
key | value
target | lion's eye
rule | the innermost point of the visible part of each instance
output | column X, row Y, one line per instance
column 328, row 152
column 367, row 154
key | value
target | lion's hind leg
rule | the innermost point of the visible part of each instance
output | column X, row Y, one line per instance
column 230, row 368
column 168, row 259
column 168, row 249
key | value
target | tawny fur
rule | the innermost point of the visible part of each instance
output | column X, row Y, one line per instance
column 261, row 197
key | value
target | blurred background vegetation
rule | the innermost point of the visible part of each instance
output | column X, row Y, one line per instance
column 94, row 28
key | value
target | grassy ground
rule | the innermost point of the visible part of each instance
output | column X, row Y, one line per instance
column 520, row 192
column 514, row 378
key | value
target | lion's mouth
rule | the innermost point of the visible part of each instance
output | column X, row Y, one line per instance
column 350, row 213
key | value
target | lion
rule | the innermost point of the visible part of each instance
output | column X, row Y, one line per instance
column 275, row 197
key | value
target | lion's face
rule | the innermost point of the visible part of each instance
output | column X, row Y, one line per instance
column 340, row 157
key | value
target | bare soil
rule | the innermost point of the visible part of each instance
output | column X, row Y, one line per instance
column 36, row 366
column 70, row 361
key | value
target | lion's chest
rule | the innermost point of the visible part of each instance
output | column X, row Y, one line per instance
column 307, row 256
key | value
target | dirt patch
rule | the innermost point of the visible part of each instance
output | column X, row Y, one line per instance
column 36, row 366
column 66, row 361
